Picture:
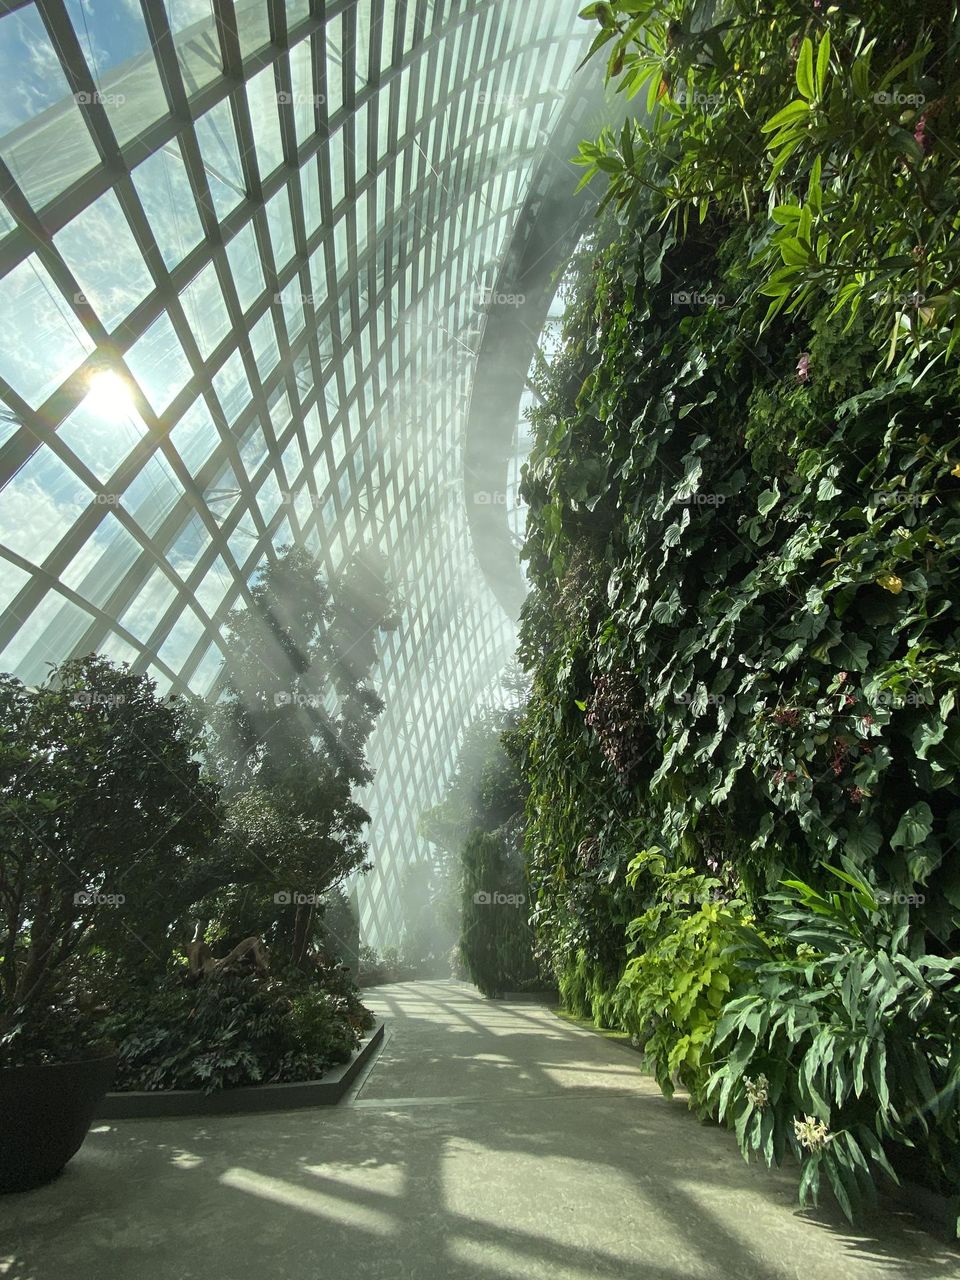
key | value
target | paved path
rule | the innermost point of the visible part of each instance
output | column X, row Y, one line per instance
column 489, row 1140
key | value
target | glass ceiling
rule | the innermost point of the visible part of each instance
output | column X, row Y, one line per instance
column 240, row 247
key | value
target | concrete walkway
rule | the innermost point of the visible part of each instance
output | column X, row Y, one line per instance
column 488, row 1140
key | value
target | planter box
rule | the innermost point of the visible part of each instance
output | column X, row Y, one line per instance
column 45, row 1112
column 325, row 1092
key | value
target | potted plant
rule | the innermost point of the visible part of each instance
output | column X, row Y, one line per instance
column 103, row 810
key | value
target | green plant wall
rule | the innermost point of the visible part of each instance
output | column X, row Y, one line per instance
column 744, row 527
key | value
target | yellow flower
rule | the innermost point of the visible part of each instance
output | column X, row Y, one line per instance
column 956, row 471
column 890, row 582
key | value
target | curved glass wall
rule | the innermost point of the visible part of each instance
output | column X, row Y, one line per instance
column 241, row 255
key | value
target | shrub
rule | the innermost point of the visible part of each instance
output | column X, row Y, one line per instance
column 843, row 1043
column 686, row 953
column 496, row 941
column 231, row 1030
column 105, row 814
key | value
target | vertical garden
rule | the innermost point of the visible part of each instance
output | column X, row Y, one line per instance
column 742, row 742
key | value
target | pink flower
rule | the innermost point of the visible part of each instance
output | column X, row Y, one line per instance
column 920, row 133
column 803, row 367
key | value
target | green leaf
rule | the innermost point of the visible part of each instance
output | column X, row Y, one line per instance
column 793, row 112
column 823, row 64
column 805, row 81
column 914, row 827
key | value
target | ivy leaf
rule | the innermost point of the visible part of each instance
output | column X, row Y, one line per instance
column 914, row 827
column 768, row 499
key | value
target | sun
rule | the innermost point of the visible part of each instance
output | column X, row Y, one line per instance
column 109, row 395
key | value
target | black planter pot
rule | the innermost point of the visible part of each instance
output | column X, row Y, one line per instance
column 45, row 1112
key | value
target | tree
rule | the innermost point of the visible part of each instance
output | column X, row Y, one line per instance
column 288, row 740
column 105, row 811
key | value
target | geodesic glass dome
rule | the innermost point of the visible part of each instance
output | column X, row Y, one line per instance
column 249, row 256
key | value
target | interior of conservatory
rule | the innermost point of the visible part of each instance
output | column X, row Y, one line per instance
column 479, row 639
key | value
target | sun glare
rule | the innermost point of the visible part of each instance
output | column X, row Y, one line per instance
column 110, row 395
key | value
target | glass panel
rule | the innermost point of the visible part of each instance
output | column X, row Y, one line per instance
column 263, row 339
column 232, row 387
column 118, row 650
column 41, row 341
column 216, row 583
column 116, row 46
column 310, row 189
column 243, row 540
column 164, row 191
column 143, row 614
column 159, row 363
column 206, row 310
column 244, row 259
column 152, row 495
column 252, row 25
column 39, row 506
column 43, row 137
column 269, row 496
column 12, row 579
column 291, row 298
column 281, row 228
column 100, row 435
column 97, row 569
column 206, row 671
column 265, row 120
column 221, row 159
column 99, row 248
column 190, row 544
column 305, row 97
column 54, row 628
column 334, row 33
column 183, row 637
column 253, row 450
column 297, row 11
column 7, row 222
column 195, row 436
column 195, row 39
